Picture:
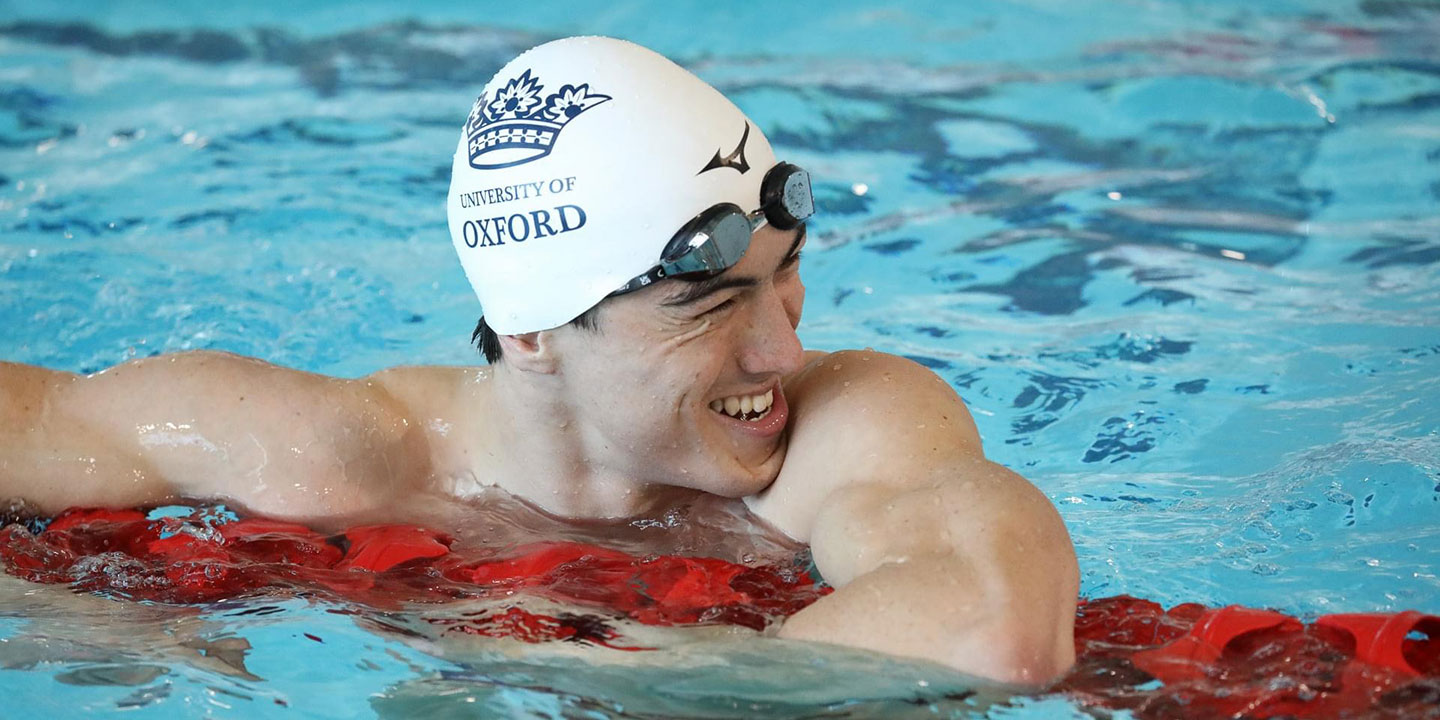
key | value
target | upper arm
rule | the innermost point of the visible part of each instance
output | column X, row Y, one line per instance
column 885, row 472
column 276, row 440
column 885, row 463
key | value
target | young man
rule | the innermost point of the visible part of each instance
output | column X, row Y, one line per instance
column 634, row 243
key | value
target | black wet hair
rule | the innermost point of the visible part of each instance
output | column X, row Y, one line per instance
column 488, row 341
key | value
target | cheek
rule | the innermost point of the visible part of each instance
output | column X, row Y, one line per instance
column 663, row 373
column 681, row 377
column 792, row 296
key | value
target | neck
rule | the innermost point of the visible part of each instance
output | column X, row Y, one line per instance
column 543, row 455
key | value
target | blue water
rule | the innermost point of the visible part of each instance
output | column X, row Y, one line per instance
column 1182, row 259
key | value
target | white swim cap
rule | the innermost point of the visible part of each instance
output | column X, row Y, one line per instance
column 578, row 164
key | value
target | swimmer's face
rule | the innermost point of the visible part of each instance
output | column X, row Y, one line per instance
column 644, row 386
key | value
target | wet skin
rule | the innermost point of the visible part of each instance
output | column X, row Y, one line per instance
column 637, row 395
column 936, row 552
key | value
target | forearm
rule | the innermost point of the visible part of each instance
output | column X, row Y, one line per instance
column 53, row 471
column 52, row 459
column 939, row 608
column 975, row 571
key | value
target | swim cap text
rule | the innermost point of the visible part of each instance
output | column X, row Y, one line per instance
column 519, row 227
column 518, row 191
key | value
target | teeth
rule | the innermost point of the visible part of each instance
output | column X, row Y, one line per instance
column 745, row 406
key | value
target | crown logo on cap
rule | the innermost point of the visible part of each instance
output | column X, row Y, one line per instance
column 517, row 126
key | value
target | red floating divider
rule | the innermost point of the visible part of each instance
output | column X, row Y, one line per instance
column 1230, row 662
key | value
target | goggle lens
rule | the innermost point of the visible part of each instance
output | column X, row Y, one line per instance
column 712, row 243
column 716, row 239
column 786, row 197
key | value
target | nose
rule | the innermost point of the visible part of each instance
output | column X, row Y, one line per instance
column 771, row 345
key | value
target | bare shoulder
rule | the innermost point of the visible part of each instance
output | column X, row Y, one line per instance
column 427, row 385
column 875, row 397
column 449, row 406
column 860, row 416
column 442, row 400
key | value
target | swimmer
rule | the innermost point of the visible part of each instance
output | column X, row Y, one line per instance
column 634, row 243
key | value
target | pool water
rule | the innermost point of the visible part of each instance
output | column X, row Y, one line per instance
column 1182, row 260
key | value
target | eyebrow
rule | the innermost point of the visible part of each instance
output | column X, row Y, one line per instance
column 696, row 289
column 794, row 250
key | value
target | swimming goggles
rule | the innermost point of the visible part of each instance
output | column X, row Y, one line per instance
column 713, row 241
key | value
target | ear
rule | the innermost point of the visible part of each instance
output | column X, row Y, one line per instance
column 531, row 352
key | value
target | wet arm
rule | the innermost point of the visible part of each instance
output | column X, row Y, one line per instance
column 935, row 552
column 275, row 440
column 52, row 459
column 986, row 587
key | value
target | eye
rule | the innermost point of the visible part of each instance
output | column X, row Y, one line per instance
column 726, row 305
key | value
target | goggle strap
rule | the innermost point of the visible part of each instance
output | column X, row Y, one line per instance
column 653, row 276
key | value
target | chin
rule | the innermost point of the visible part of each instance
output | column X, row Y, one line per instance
column 751, row 479
column 739, row 488
column 721, row 466
column 728, row 479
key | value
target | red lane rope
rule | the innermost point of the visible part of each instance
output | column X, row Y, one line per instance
column 1188, row 662
column 194, row 560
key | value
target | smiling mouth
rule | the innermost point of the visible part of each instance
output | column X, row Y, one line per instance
column 750, row 408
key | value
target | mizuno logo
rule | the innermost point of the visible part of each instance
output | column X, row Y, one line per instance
column 734, row 160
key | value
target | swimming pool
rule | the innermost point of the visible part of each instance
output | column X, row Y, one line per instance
column 1180, row 258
